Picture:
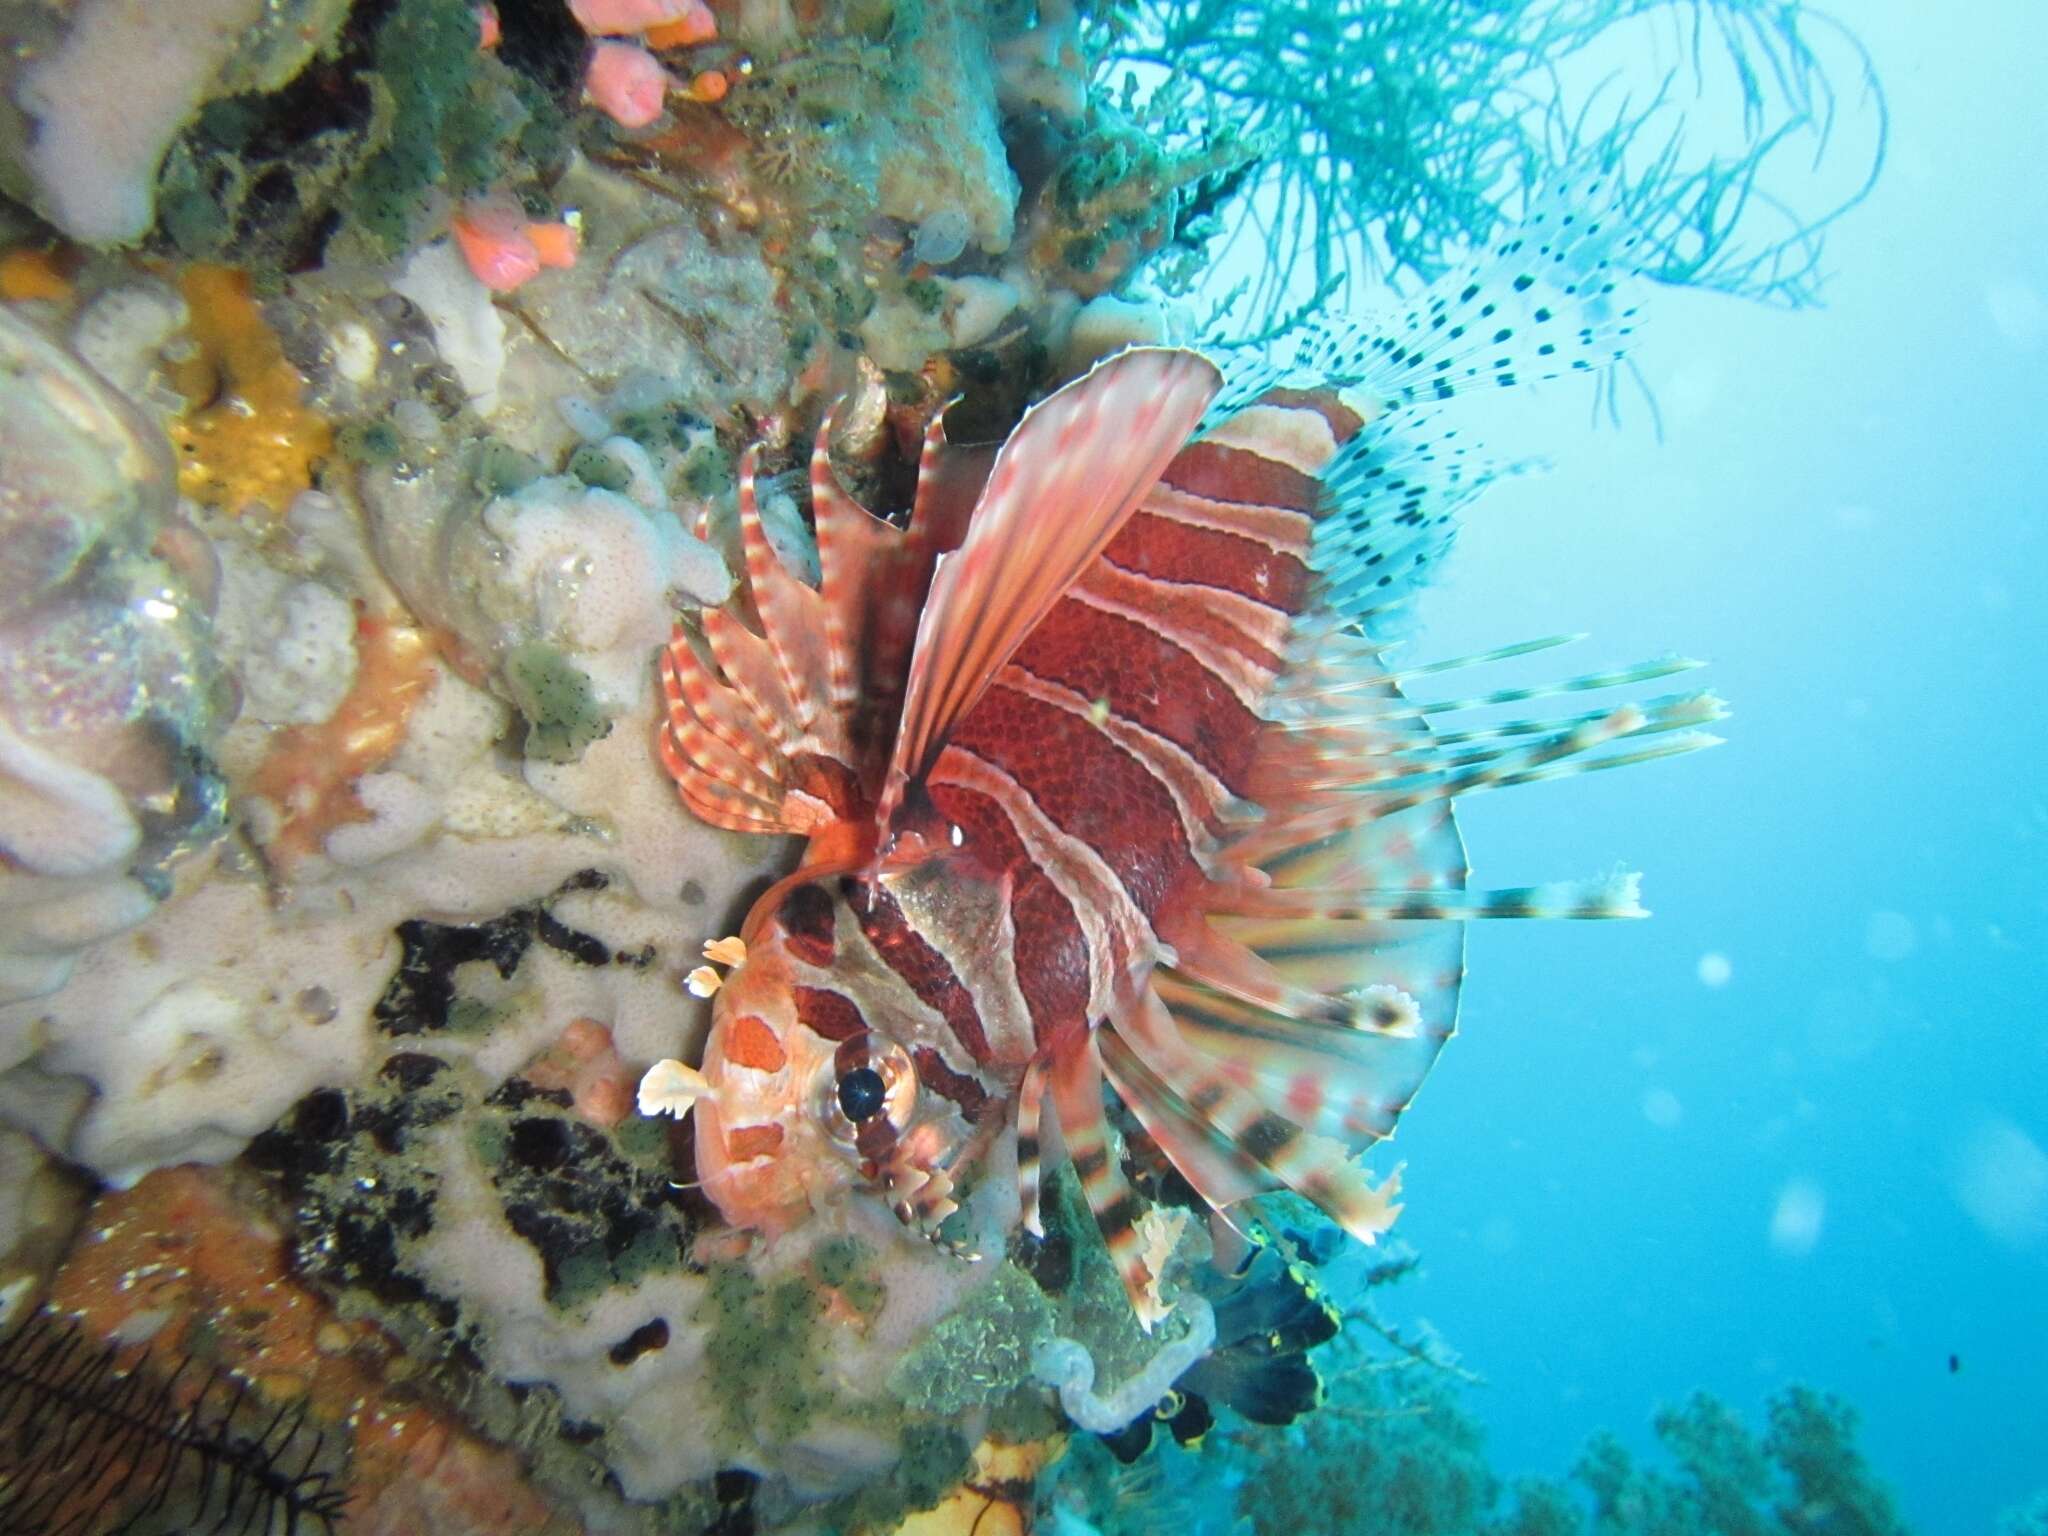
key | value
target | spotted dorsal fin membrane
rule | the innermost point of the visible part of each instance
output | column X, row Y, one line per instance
column 1552, row 296
column 1061, row 487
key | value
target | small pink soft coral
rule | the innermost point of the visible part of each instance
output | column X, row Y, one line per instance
column 624, row 18
column 627, row 83
column 492, row 234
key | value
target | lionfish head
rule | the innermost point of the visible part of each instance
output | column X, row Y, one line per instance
column 807, row 1092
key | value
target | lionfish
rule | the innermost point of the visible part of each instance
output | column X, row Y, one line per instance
column 1106, row 778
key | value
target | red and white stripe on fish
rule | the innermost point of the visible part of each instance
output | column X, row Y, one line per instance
column 1105, row 783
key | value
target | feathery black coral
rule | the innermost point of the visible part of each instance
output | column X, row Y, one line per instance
column 89, row 1447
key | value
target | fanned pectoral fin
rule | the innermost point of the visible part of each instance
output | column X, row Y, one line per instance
column 1240, row 1135
column 1030, row 1150
column 745, row 712
column 1064, row 483
column 792, row 627
column 1074, row 1078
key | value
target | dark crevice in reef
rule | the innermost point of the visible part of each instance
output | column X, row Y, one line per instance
column 421, row 996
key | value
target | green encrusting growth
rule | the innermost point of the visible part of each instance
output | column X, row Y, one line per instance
column 931, row 1460
column 562, row 714
column 847, row 1265
column 761, row 1346
column 982, row 1352
column 446, row 116
column 1093, row 1308
column 500, row 469
column 402, row 112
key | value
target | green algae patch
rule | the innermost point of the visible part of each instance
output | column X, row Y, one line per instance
column 447, row 112
column 762, row 1349
column 487, row 1140
column 499, row 469
column 846, row 1265
column 643, row 1140
column 473, row 1016
column 563, row 716
column 599, row 469
column 353, row 124
column 982, row 1352
column 370, row 443
column 707, row 471
column 1026, row 1415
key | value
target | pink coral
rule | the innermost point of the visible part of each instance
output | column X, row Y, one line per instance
column 627, row 83
column 623, row 18
column 504, row 248
column 556, row 243
column 584, row 1060
column 491, row 233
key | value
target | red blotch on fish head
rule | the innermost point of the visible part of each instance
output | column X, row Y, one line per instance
column 751, row 1043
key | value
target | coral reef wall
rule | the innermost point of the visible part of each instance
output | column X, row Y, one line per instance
column 374, row 385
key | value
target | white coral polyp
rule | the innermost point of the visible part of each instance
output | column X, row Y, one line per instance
column 599, row 575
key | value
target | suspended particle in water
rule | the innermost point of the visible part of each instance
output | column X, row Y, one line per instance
column 1662, row 1109
column 1796, row 1222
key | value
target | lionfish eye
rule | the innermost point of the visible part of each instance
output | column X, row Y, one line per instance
column 862, row 1093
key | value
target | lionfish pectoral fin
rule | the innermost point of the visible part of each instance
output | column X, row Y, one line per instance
column 1332, row 768
column 1074, row 1077
column 726, row 769
column 1254, row 1123
column 792, row 621
column 1603, row 896
column 1030, row 1165
column 1062, row 486
column 743, row 709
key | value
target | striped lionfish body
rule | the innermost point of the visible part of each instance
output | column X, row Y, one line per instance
column 1105, row 783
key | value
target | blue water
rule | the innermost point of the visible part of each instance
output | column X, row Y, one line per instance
column 1832, row 1167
